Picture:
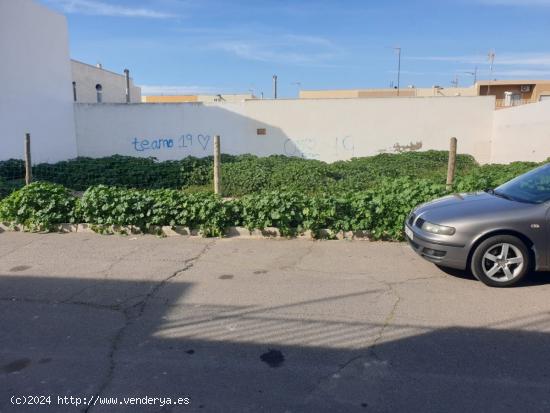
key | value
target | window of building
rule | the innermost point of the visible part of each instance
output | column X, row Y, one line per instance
column 99, row 93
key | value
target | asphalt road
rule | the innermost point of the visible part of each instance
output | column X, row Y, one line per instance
column 262, row 325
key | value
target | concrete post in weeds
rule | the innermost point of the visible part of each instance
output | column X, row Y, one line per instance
column 451, row 167
column 217, row 166
column 28, row 169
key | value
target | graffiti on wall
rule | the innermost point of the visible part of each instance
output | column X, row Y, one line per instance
column 311, row 148
column 199, row 141
column 398, row 148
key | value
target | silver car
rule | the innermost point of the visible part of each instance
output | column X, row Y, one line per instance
column 499, row 234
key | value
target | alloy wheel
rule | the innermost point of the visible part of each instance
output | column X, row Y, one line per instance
column 502, row 262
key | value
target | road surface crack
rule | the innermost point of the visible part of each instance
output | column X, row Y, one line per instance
column 133, row 313
column 370, row 351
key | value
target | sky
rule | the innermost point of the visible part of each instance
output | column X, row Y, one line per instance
column 236, row 46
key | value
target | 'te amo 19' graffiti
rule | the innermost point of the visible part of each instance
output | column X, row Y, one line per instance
column 183, row 141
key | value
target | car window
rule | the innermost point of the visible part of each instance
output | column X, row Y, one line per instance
column 533, row 187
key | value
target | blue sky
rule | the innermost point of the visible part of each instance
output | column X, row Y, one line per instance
column 227, row 46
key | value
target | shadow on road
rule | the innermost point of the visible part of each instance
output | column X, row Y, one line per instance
column 123, row 338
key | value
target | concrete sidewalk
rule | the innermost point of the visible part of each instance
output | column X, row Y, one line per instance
column 263, row 325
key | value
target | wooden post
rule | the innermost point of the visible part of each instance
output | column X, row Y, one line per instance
column 451, row 167
column 217, row 166
column 28, row 169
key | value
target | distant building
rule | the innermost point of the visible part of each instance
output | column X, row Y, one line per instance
column 93, row 84
column 507, row 92
column 384, row 93
column 197, row 98
column 514, row 92
column 354, row 93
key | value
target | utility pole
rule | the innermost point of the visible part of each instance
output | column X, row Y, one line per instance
column 398, row 49
column 455, row 82
column 274, row 86
column 492, row 62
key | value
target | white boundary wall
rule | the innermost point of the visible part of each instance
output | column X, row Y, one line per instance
column 35, row 75
column 521, row 133
column 324, row 129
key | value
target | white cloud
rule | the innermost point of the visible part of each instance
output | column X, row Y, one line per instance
column 98, row 8
column 163, row 90
column 276, row 48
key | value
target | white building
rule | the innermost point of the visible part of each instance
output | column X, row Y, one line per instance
column 35, row 74
column 93, row 84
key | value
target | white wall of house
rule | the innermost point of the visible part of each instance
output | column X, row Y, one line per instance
column 35, row 75
column 113, row 85
column 521, row 133
column 324, row 129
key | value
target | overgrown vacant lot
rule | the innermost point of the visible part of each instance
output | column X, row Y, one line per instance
column 372, row 194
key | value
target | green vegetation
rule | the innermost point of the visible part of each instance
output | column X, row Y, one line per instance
column 4, row 188
column 103, row 205
column 380, row 211
column 372, row 194
column 241, row 175
column 39, row 206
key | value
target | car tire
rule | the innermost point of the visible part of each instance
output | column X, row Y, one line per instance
column 501, row 261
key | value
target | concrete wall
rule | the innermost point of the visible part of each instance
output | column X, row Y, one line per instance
column 325, row 129
column 226, row 98
column 379, row 93
column 113, row 85
column 35, row 75
column 447, row 91
column 521, row 133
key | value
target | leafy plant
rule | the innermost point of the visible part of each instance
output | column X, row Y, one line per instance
column 241, row 174
column 491, row 176
column 372, row 194
column 390, row 203
column 105, row 206
column 284, row 210
column 39, row 206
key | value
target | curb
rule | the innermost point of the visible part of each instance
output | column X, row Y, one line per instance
column 181, row 231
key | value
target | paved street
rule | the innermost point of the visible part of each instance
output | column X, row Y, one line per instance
column 263, row 325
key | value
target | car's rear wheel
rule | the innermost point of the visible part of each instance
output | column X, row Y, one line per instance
column 500, row 261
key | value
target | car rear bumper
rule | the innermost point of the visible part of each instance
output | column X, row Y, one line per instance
column 444, row 254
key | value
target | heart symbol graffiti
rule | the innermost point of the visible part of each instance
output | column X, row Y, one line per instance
column 204, row 140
